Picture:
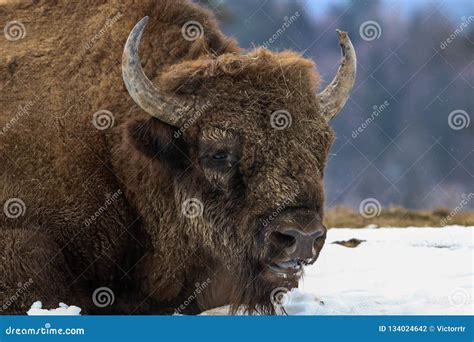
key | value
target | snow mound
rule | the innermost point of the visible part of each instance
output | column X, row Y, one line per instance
column 63, row 310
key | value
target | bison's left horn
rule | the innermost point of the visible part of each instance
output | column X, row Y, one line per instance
column 334, row 97
column 141, row 89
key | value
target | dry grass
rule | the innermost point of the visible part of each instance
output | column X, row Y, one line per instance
column 396, row 217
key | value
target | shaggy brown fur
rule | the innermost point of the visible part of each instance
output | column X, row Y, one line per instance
column 138, row 173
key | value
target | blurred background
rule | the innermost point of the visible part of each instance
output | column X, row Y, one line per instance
column 405, row 137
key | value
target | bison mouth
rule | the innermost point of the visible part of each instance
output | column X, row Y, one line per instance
column 285, row 268
column 287, row 271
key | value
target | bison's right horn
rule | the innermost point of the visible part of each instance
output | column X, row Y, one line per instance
column 334, row 97
column 141, row 89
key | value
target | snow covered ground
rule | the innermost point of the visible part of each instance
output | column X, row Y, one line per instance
column 395, row 271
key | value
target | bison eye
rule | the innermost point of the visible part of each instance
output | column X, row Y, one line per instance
column 220, row 159
column 220, row 156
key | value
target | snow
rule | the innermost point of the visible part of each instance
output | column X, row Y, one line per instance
column 396, row 271
column 63, row 310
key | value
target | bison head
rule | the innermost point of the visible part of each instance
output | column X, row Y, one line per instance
column 245, row 139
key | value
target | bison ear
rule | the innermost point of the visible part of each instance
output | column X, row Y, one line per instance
column 160, row 141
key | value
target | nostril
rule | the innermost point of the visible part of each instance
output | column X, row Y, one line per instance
column 282, row 239
column 318, row 235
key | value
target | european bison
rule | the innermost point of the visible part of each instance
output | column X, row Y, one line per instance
column 201, row 186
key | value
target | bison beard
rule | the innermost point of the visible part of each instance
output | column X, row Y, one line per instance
column 104, row 208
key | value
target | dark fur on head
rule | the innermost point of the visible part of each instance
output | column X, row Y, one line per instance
column 273, row 168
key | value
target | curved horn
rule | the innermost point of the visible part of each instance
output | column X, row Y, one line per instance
column 334, row 97
column 140, row 88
